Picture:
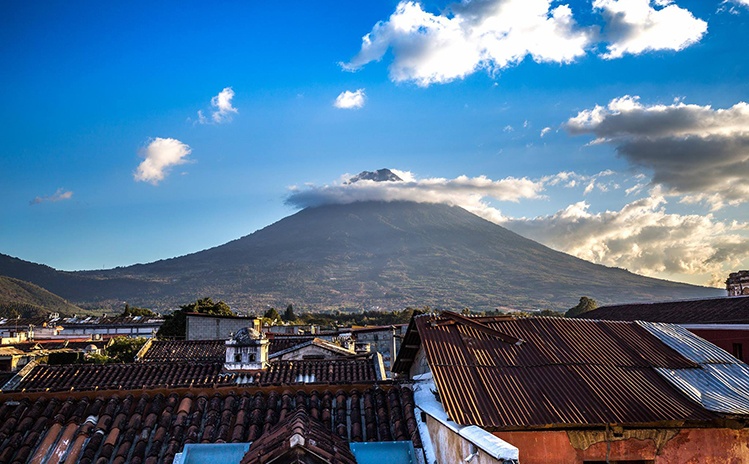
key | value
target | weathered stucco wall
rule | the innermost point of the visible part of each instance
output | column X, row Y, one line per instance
column 310, row 351
column 663, row 446
column 449, row 447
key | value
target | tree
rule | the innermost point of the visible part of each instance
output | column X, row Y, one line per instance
column 288, row 315
column 131, row 311
column 586, row 304
column 272, row 316
column 175, row 324
column 124, row 349
column 120, row 350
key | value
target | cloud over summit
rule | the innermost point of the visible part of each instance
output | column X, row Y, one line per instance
column 467, row 192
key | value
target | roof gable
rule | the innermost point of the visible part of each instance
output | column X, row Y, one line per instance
column 299, row 439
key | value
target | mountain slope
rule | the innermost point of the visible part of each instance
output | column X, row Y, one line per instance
column 376, row 254
column 30, row 300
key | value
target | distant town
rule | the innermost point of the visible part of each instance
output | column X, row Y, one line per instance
column 657, row 382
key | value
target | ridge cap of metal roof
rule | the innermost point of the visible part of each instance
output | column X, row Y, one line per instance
column 459, row 318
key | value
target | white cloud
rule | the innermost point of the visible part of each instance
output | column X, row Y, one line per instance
column 643, row 238
column 350, row 100
column 634, row 26
column 471, row 35
column 59, row 195
column 222, row 108
column 470, row 193
column 159, row 156
column 694, row 150
column 545, row 131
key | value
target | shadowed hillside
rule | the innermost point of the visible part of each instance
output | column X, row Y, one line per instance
column 375, row 254
column 28, row 300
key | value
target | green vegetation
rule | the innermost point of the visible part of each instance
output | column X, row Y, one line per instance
column 24, row 299
column 121, row 350
column 271, row 317
column 586, row 304
column 131, row 311
column 175, row 324
column 340, row 319
column 288, row 315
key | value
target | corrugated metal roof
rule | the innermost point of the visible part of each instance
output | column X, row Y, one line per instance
column 727, row 310
column 722, row 388
column 688, row 344
column 722, row 382
column 567, row 372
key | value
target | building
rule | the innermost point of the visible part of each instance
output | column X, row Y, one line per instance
column 556, row 390
column 55, row 326
column 213, row 327
column 738, row 283
column 385, row 340
column 721, row 321
column 170, row 409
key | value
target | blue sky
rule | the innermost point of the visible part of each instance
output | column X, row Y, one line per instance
column 614, row 130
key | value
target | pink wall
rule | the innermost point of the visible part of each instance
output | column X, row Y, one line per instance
column 688, row 446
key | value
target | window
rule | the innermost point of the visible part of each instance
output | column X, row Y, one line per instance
column 738, row 351
column 237, row 357
column 252, row 357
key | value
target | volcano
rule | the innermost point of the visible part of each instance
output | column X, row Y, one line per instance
column 364, row 255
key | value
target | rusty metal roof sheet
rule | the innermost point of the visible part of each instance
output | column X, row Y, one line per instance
column 567, row 372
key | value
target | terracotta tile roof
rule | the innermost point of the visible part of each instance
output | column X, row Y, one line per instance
column 729, row 310
column 565, row 372
column 326, row 371
column 86, row 377
column 75, row 344
column 151, row 429
column 186, row 350
column 297, row 436
column 212, row 350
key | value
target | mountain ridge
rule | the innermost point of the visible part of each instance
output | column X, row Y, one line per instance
column 366, row 255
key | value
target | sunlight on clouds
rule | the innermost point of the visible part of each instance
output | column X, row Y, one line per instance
column 473, row 35
column 643, row 238
column 59, row 195
column 159, row 156
column 696, row 151
column 634, row 26
column 350, row 100
column 493, row 35
column 467, row 192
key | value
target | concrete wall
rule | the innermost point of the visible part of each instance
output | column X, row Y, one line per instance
column 450, row 448
column 215, row 328
column 659, row 446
